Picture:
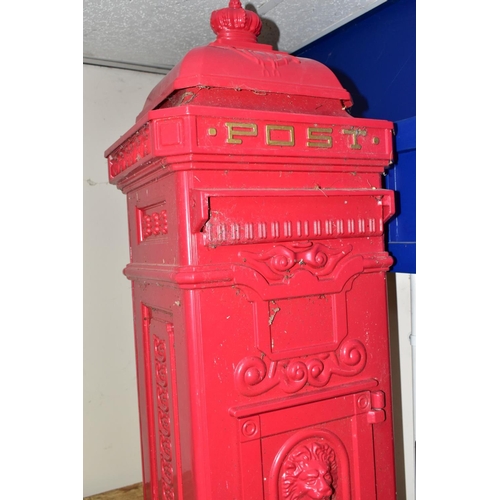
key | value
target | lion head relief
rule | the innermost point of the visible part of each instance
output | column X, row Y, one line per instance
column 309, row 471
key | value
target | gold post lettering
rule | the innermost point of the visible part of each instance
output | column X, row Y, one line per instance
column 320, row 141
column 238, row 130
column 273, row 142
column 355, row 132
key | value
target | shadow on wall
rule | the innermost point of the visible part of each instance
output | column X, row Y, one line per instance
column 360, row 104
column 270, row 33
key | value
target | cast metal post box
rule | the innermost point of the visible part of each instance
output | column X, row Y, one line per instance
column 258, row 269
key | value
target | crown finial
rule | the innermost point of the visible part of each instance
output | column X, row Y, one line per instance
column 235, row 24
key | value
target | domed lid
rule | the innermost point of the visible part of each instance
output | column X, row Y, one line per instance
column 235, row 60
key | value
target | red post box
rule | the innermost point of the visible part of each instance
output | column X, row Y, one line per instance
column 258, row 269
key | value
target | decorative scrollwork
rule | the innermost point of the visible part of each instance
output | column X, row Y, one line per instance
column 163, row 418
column 253, row 377
column 351, row 356
column 295, row 376
column 160, row 348
column 282, row 261
column 279, row 261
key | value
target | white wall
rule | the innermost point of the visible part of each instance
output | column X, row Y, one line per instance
column 401, row 288
column 112, row 98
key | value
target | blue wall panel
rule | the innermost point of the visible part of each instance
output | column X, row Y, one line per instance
column 401, row 178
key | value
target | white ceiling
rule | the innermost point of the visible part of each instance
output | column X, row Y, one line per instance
column 154, row 35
